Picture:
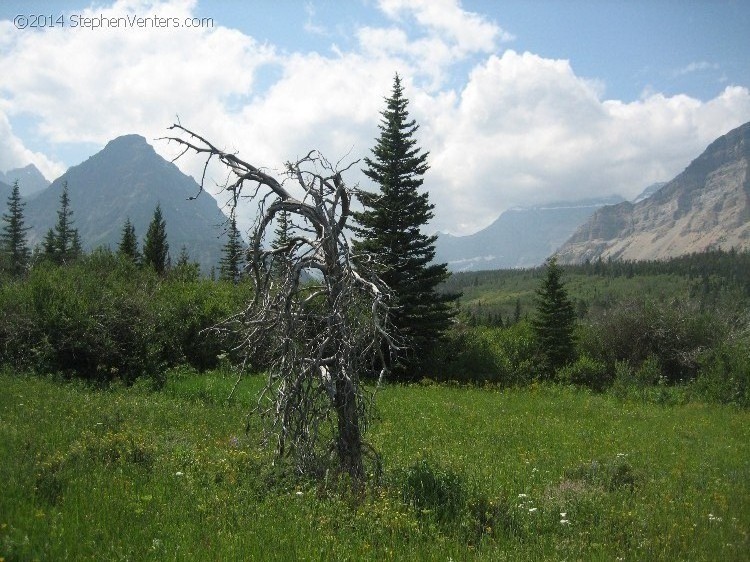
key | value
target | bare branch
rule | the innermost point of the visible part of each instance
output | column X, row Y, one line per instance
column 317, row 340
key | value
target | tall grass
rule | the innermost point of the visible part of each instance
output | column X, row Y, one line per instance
column 531, row 474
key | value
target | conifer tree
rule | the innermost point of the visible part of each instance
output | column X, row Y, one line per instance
column 282, row 234
column 230, row 265
column 389, row 230
column 185, row 270
column 155, row 245
column 62, row 244
column 13, row 245
column 554, row 322
column 129, row 242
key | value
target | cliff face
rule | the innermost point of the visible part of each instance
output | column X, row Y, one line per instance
column 706, row 206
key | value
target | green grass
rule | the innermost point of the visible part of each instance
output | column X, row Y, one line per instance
column 129, row 473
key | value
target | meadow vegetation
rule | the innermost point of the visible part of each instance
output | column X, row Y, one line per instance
column 118, row 439
column 544, row 472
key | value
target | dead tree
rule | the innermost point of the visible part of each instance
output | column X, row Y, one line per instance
column 318, row 314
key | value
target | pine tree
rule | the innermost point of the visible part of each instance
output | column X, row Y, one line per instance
column 155, row 245
column 13, row 245
column 389, row 230
column 554, row 322
column 230, row 265
column 129, row 242
column 185, row 270
column 282, row 234
column 62, row 244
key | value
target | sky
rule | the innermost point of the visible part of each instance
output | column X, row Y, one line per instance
column 518, row 102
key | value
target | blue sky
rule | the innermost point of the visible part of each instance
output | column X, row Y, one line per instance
column 519, row 102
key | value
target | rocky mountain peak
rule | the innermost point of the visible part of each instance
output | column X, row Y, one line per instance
column 706, row 206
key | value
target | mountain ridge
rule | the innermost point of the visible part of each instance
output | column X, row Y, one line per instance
column 30, row 180
column 126, row 179
column 707, row 206
column 519, row 237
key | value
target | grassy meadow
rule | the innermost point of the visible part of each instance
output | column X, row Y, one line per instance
column 544, row 472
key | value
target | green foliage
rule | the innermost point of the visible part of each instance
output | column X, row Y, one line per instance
column 62, row 245
column 434, row 492
column 389, row 232
column 129, row 242
column 232, row 259
column 724, row 375
column 155, row 245
column 546, row 473
column 554, row 322
column 102, row 318
column 586, row 372
column 14, row 250
column 672, row 334
column 503, row 356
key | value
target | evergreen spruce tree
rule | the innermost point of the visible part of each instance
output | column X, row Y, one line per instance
column 282, row 235
column 282, row 232
column 230, row 265
column 129, row 242
column 14, row 248
column 185, row 270
column 389, row 230
column 155, row 245
column 554, row 322
column 62, row 244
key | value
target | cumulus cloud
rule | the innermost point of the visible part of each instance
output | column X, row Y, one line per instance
column 13, row 153
column 526, row 129
column 518, row 129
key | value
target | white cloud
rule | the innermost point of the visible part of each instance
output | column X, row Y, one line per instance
column 521, row 128
column 13, row 153
column 696, row 66
column 528, row 130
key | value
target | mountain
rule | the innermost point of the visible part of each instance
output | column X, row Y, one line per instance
column 127, row 179
column 649, row 191
column 30, row 180
column 707, row 206
column 522, row 237
column 5, row 191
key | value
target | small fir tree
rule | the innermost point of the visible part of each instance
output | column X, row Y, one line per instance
column 389, row 230
column 185, row 270
column 155, row 245
column 282, row 236
column 62, row 244
column 555, row 318
column 13, row 245
column 230, row 265
column 129, row 242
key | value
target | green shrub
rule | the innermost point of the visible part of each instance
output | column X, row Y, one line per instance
column 586, row 372
column 725, row 374
column 444, row 498
column 505, row 356
column 674, row 334
column 102, row 319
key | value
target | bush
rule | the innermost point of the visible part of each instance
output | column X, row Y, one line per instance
column 586, row 372
column 672, row 334
column 103, row 318
column 505, row 356
column 444, row 498
column 725, row 374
